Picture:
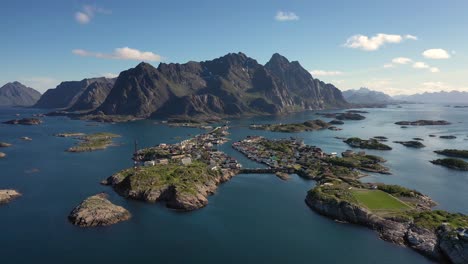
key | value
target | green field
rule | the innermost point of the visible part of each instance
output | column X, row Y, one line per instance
column 377, row 200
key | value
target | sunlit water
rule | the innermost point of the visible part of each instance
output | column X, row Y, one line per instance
column 251, row 219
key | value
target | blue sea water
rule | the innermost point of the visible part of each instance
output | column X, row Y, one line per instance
column 251, row 219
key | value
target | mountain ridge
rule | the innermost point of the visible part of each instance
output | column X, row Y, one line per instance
column 17, row 94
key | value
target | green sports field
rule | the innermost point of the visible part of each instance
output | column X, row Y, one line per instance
column 377, row 200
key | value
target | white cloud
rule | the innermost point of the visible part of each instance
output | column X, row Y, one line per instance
column 436, row 54
column 286, row 16
column 325, row 73
column 420, row 65
column 434, row 70
column 124, row 53
column 88, row 12
column 389, row 65
column 374, row 43
column 82, row 18
column 411, row 37
column 402, row 60
column 40, row 83
column 110, row 75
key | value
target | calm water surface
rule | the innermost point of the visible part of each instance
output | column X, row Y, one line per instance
column 251, row 219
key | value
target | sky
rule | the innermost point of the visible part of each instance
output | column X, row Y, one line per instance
column 398, row 47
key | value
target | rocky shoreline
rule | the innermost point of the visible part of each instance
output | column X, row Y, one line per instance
column 97, row 210
column 8, row 195
column 441, row 244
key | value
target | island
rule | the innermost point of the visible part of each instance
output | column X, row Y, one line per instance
column 372, row 143
column 5, row 145
column 452, row 163
column 24, row 121
column 8, row 195
column 92, row 142
column 97, row 210
column 448, row 137
column 453, row 153
column 26, row 138
column 343, row 116
column 310, row 125
column 181, row 175
column 411, row 144
column 418, row 139
column 2, row 155
column 399, row 215
column 70, row 134
column 423, row 123
column 336, row 122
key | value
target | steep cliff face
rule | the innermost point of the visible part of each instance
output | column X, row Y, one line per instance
column 84, row 93
column 232, row 85
column 437, row 245
column 17, row 94
column 94, row 95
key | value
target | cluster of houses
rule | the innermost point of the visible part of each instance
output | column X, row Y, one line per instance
column 260, row 149
column 201, row 147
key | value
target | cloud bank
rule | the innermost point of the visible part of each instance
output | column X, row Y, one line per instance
column 374, row 43
column 124, row 53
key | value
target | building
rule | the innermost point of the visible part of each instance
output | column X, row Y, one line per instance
column 186, row 161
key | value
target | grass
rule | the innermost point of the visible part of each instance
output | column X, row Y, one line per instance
column 377, row 200
column 94, row 141
column 183, row 178
column 433, row 219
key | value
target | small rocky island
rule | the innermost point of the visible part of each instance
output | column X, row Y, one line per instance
column 453, row 153
column 97, row 210
column 452, row 163
column 423, row 123
column 8, row 195
column 411, row 144
column 372, row 143
column 2, row 155
column 90, row 142
column 24, row 121
column 5, row 145
column 448, row 137
column 343, row 116
column 310, row 125
column 181, row 175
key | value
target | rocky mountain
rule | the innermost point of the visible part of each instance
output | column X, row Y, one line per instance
column 366, row 96
column 86, row 94
column 437, row 97
column 17, row 94
column 231, row 85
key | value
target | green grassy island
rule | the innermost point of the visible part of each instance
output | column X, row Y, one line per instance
column 181, row 175
column 411, row 144
column 91, row 142
column 372, row 143
column 452, row 163
column 310, row 125
column 453, row 153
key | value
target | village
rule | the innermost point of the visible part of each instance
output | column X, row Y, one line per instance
column 201, row 147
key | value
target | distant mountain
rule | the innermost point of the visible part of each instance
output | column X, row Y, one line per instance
column 367, row 96
column 231, row 85
column 437, row 97
column 81, row 95
column 17, row 94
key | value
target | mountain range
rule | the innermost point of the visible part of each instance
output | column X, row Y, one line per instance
column 436, row 97
column 367, row 96
column 232, row 85
column 17, row 94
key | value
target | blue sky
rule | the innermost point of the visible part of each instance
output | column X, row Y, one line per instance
column 400, row 47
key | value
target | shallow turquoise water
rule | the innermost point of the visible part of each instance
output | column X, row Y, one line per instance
column 251, row 219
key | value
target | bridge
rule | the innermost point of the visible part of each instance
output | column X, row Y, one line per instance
column 266, row 170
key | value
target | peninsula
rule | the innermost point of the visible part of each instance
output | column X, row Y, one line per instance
column 399, row 215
